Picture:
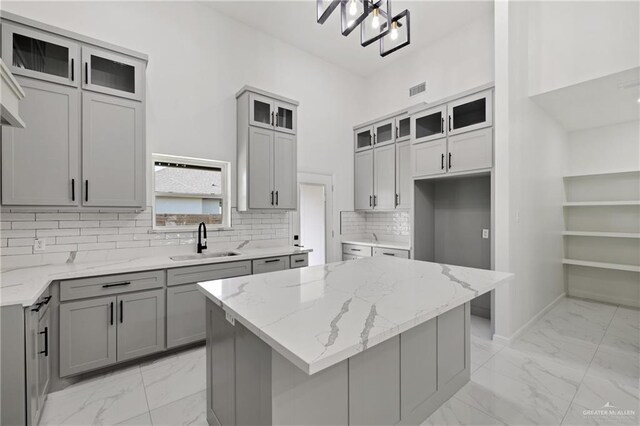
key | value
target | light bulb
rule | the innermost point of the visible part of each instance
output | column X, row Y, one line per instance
column 375, row 22
column 353, row 8
column 394, row 30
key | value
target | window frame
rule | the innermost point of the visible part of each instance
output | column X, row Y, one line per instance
column 224, row 166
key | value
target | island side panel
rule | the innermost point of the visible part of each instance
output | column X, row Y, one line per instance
column 220, row 367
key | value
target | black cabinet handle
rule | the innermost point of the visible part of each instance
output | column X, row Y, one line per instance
column 46, row 341
column 116, row 284
column 272, row 118
column 374, row 138
column 72, row 70
column 442, row 126
column 388, row 254
column 397, row 200
column 271, row 197
column 299, row 260
column 449, row 123
column 37, row 307
column 121, row 312
column 375, row 200
column 356, row 249
column 370, row 201
column 272, row 261
column 276, row 198
column 449, row 160
column 111, row 313
column 397, row 133
column 86, row 72
column 442, row 162
column 73, row 189
column 46, row 300
column 86, row 190
column 276, row 120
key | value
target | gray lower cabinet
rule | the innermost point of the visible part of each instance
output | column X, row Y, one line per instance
column 38, row 371
column 272, row 264
column 113, row 165
column 40, row 162
column 185, row 315
column 141, row 328
column 383, row 251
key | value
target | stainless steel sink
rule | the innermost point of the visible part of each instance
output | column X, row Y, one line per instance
column 205, row 255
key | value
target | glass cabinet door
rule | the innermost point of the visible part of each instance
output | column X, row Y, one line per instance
column 429, row 125
column 364, row 138
column 39, row 55
column 384, row 133
column 285, row 117
column 470, row 113
column 403, row 128
column 112, row 74
column 261, row 111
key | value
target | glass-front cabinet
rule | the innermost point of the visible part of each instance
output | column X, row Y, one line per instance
column 285, row 117
column 384, row 133
column 403, row 128
column 40, row 55
column 363, row 138
column 112, row 73
column 470, row 113
column 271, row 114
column 429, row 124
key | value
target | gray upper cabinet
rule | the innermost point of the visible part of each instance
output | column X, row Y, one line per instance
column 40, row 163
column 112, row 155
column 429, row 158
column 40, row 55
column 470, row 113
column 267, row 151
column 384, row 133
column 363, row 180
column 471, row 151
column 429, row 125
column 141, row 327
column 403, row 175
column 111, row 73
column 384, row 181
column 363, row 138
column 403, row 128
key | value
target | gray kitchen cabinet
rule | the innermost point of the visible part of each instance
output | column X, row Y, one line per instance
column 363, row 138
column 429, row 124
column 39, row 54
column 267, row 151
column 384, row 133
column 112, row 73
column 38, row 370
column 356, row 250
column 470, row 113
column 404, row 185
column 471, row 151
column 403, row 128
column 40, row 163
column 299, row 260
column 87, row 335
column 384, row 251
column 384, row 177
column 346, row 257
column 429, row 158
column 44, row 363
column 113, row 156
column 185, row 315
column 261, row 266
column 285, row 171
column 363, row 187
column 141, row 327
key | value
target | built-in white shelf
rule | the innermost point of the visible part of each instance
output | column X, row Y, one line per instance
column 600, row 203
column 601, row 234
column 602, row 265
column 598, row 174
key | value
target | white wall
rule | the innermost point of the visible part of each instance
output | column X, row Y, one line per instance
column 198, row 59
column 460, row 61
column 575, row 41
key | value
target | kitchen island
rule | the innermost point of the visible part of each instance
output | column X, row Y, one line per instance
column 378, row 340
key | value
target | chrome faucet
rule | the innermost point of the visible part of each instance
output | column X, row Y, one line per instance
column 201, row 245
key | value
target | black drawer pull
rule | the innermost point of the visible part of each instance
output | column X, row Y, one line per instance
column 121, row 312
column 299, row 260
column 117, row 284
column 355, row 249
column 272, row 260
column 72, row 71
column 46, row 341
column 111, row 312
column 37, row 307
column 388, row 254
column 46, row 300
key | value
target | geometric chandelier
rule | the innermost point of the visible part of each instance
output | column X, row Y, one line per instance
column 375, row 19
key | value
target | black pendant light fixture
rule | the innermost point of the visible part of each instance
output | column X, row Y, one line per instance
column 376, row 21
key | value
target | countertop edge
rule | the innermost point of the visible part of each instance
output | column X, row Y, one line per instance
column 386, row 244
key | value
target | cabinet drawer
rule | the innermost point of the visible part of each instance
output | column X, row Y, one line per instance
column 346, row 256
column 357, row 250
column 110, row 284
column 299, row 260
column 382, row 251
column 271, row 264
column 194, row 274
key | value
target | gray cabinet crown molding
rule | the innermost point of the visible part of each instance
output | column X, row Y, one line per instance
column 271, row 95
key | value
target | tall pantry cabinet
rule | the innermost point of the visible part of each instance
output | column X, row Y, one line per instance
column 84, row 140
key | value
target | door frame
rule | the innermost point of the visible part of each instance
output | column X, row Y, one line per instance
column 294, row 223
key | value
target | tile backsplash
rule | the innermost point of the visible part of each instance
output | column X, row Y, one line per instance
column 381, row 223
column 69, row 233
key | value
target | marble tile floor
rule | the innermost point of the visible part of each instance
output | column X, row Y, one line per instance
column 578, row 358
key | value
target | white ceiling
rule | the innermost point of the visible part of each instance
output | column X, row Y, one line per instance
column 294, row 22
column 594, row 103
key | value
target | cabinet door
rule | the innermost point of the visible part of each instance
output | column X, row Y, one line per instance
column 403, row 175
column 403, row 128
column 429, row 125
column 113, row 74
column 471, row 151
column 185, row 315
column 44, row 363
column 363, row 138
column 384, row 133
column 384, row 169
column 113, row 156
column 286, row 119
column 285, row 171
column 87, row 335
column 363, row 180
column 140, row 324
column 471, row 113
column 260, row 179
column 428, row 158
column 261, row 111
column 40, row 163
column 40, row 55
column 32, row 357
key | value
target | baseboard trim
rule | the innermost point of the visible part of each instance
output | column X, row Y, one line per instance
column 506, row 340
column 601, row 298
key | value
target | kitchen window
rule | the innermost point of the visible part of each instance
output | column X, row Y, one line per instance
column 188, row 191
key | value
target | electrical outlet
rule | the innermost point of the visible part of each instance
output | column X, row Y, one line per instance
column 485, row 233
column 40, row 245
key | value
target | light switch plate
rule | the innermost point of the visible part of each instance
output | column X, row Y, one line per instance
column 485, row 233
column 39, row 245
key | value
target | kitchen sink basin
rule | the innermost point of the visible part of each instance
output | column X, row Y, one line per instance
column 205, row 255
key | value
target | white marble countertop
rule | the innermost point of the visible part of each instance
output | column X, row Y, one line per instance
column 23, row 285
column 321, row 315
